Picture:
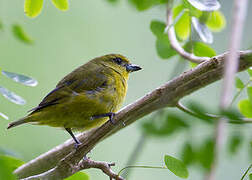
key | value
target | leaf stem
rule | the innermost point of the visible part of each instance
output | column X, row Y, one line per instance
column 190, row 112
column 181, row 107
column 239, row 92
column 150, row 167
column 167, row 28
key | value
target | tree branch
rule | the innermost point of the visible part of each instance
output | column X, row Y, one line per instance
column 63, row 157
column 174, row 42
column 84, row 164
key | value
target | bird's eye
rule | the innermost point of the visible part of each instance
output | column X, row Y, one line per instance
column 118, row 60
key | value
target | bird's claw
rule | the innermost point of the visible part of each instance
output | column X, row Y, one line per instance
column 77, row 145
column 111, row 118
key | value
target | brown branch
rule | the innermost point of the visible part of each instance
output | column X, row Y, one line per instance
column 104, row 166
column 230, row 68
column 63, row 157
column 83, row 164
column 174, row 42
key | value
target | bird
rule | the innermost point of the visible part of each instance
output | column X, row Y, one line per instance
column 85, row 98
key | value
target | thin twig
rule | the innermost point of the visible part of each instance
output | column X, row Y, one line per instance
column 104, row 166
column 174, row 42
column 61, row 160
column 147, row 167
column 246, row 172
column 230, row 68
column 212, row 116
column 239, row 92
column 190, row 112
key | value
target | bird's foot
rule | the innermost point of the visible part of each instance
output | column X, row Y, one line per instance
column 77, row 145
column 111, row 116
column 85, row 158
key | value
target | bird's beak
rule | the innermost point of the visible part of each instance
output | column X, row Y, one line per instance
column 132, row 67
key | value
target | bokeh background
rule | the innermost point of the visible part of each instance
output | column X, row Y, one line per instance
column 66, row 40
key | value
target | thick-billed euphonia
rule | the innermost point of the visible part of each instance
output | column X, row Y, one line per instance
column 85, row 98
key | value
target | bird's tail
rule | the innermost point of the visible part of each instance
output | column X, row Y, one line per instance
column 17, row 123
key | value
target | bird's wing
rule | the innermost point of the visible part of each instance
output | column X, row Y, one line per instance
column 89, row 77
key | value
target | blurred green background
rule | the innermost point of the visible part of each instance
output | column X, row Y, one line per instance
column 66, row 40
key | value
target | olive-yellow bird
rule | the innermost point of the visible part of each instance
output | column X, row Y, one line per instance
column 86, row 97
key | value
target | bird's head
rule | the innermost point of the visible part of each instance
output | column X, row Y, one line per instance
column 118, row 63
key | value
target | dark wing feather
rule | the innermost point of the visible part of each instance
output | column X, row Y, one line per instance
column 89, row 77
column 51, row 98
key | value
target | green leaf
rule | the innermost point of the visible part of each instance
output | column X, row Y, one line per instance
column 204, row 33
column 188, row 46
column 216, row 21
column 199, row 49
column 238, row 83
column 204, row 17
column 176, row 166
column 32, row 8
column 183, row 25
column 5, row 172
column 210, row 5
column 8, row 164
column 175, row 122
column 113, row 1
column 11, row 96
column 250, row 72
column 12, row 162
column 245, row 108
column 249, row 91
column 25, row 80
column 4, row 116
column 164, row 49
column 205, row 154
column 170, row 125
column 79, row 176
column 157, row 28
column 234, row 143
column 142, row 5
column 232, row 114
column 20, row 34
column 201, row 111
column 187, row 154
column 250, row 176
column 193, row 65
column 193, row 11
column 61, row 4
column 202, row 49
column 176, row 19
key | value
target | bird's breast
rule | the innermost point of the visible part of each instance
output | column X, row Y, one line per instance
column 114, row 93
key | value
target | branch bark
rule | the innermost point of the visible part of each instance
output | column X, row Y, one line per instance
column 83, row 164
column 62, row 158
